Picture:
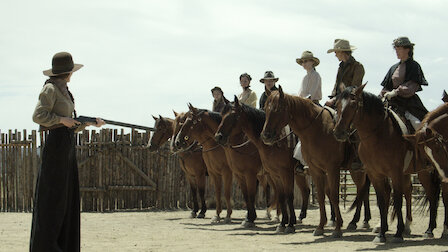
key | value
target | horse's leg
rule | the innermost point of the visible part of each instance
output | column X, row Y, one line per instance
column 431, row 189
column 319, row 181
column 302, row 183
column 359, row 180
column 288, row 183
column 227, row 177
column 445, row 203
column 367, row 214
column 201, row 182
column 407, row 190
column 332, row 221
column 333, row 181
column 282, row 205
column 217, row 181
column 243, row 186
column 398, row 184
column 382, row 189
column 251, row 184
column 194, row 192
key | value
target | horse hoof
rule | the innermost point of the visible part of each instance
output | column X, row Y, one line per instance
column 376, row 230
column 318, row 232
column 276, row 220
column 379, row 239
column 331, row 224
column 407, row 231
column 397, row 240
column 216, row 219
column 201, row 216
column 193, row 215
column 337, row 234
column 247, row 224
column 428, row 235
column 299, row 221
column 280, row 229
column 365, row 225
column 227, row 220
column 352, row 226
column 290, row 230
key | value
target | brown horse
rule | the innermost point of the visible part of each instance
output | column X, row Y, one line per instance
column 244, row 162
column 277, row 159
column 215, row 161
column 431, row 145
column 313, row 125
column 382, row 150
column 191, row 162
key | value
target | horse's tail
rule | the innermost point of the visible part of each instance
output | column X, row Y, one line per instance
column 361, row 194
column 423, row 202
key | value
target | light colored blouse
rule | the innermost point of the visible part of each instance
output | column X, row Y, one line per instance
column 248, row 97
column 311, row 86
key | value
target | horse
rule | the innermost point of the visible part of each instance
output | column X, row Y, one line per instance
column 430, row 145
column 314, row 127
column 277, row 159
column 190, row 160
column 244, row 161
column 216, row 163
column 383, row 151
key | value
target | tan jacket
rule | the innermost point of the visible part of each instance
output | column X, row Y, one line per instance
column 248, row 97
column 350, row 73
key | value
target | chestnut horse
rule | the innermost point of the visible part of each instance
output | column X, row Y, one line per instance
column 215, row 161
column 244, row 162
column 430, row 144
column 323, row 154
column 382, row 149
column 277, row 159
column 191, row 162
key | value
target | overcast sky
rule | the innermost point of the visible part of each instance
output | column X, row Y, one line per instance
column 144, row 58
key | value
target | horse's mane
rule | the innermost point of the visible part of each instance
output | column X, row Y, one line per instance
column 167, row 120
column 442, row 109
column 371, row 102
column 306, row 105
column 256, row 116
column 213, row 115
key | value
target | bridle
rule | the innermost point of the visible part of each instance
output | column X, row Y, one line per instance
column 439, row 141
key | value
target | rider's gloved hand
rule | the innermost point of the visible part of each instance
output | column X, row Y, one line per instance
column 391, row 94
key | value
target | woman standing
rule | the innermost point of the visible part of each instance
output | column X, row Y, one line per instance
column 248, row 96
column 311, row 83
column 403, row 81
column 56, row 216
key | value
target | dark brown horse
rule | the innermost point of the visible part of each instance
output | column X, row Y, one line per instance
column 244, row 162
column 277, row 159
column 430, row 144
column 323, row 154
column 382, row 149
column 214, row 158
column 191, row 162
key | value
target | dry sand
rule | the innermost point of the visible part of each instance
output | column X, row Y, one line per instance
column 174, row 231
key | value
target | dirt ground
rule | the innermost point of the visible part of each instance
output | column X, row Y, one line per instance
column 175, row 231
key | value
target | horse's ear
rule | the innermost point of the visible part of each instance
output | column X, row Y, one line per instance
column 175, row 113
column 267, row 91
column 236, row 102
column 160, row 117
column 192, row 109
column 280, row 91
column 155, row 118
column 359, row 90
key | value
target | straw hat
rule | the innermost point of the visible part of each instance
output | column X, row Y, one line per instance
column 62, row 63
column 268, row 75
column 341, row 45
column 307, row 55
column 402, row 41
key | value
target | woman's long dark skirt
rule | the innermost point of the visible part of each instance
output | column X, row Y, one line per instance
column 56, row 217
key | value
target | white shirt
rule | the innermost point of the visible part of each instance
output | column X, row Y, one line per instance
column 311, row 86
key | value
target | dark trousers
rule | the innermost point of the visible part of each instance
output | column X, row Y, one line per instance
column 56, row 216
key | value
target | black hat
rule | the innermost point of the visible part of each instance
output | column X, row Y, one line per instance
column 217, row 89
column 62, row 63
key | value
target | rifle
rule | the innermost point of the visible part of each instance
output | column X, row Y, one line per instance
column 86, row 119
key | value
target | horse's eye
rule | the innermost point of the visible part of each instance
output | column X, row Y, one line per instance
column 186, row 138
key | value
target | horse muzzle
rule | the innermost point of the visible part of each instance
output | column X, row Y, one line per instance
column 221, row 139
column 268, row 137
column 340, row 135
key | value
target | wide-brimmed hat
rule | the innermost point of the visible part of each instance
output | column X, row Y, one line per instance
column 341, row 45
column 62, row 63
column 268, row 75
column 307, row 55
column 217, row 89
column 402, row 41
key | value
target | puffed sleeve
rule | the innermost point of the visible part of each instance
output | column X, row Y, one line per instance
column 43, row 114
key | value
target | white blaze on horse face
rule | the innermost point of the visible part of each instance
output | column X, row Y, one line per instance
column 436, row 164
column 344, row 103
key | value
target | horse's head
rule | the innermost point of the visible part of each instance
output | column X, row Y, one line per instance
column 230, row 123
column 163, row 130
column 347, row 105
column 190, row 128
column 430, row 146
column 277, row 116
column 179, row 120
